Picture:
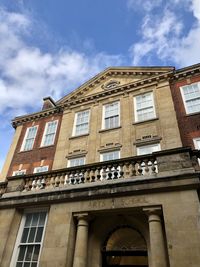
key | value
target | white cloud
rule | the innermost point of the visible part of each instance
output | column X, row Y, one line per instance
column 146, row 5
column 164, row 36
column 196, row 9
column 27, row 74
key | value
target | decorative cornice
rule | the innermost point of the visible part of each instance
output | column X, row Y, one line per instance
column 185, row 72
column 35, row 116
column 160, row 74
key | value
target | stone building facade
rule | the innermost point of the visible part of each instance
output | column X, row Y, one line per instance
column 101, row 178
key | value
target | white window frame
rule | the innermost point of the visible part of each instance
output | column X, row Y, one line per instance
column 147, row 146
column 69, row 163
column 25, row 138
column 74, row 132
column 196, row 140
column 186, row 101
column 109, row 152
column 104, row 115
column 16, row 250
column 41, row 169
column 19, row 172
column 136, row 109
column 45, row 133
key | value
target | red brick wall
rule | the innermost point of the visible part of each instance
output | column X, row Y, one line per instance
column 31, row 159
column 189, row 125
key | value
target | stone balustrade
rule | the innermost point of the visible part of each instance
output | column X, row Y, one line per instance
column 140, row 166
column 98, row 172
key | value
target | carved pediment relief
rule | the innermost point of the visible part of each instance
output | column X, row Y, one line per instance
column 113, row 78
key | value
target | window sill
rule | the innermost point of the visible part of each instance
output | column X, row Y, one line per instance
column 78, row 136
column 49, row 146
column 24, row 151
column 109, row 129
column 192, row 114
column 150, row 120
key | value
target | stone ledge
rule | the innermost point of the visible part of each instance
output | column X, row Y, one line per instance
column 186, row 181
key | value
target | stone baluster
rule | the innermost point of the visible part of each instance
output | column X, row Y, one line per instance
column 146, row 170
column 81, row 246
column 116, row 172
column 140, row 168
column 34, row 185
column 104, row 174
column 98, row 173
column 52, row 181
column 62, row 180
column 157, row 244
column 93, row 176
column 127, row 170
column 57, row 180
column 87, row 176
column 38, row 183
column 133, row 169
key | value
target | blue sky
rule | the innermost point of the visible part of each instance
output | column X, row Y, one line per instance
column 50, row 47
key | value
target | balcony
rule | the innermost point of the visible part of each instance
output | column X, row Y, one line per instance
column 140, row 169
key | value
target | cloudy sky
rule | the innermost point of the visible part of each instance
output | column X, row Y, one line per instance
column 48, row 47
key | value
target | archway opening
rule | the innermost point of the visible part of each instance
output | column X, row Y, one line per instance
column 125, row 247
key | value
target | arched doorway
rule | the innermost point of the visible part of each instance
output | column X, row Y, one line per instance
column 125, row 247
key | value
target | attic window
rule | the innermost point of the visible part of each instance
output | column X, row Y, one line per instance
column 111, row 84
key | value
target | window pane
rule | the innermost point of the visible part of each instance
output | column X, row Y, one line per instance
column 36, row 253
column 39, row 234
column 30, row 137
column 35, row 219
column 42, row 218
column 111, row 116
column 26, row 264
column 77, row 162
column 110, row 155
column 192, row 97
column 21, row 253
column 144, row 107
column 32, row 235
column 82, row 122
column 29, row 253
column 148, row 149
column 28, row 219
column 25, row 235
column 50, row 133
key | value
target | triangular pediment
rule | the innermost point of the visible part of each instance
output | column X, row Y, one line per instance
column 114, row 78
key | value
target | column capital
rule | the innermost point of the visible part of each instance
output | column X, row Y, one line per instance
column 81, row 215
column 82, row 218
column 153, row 210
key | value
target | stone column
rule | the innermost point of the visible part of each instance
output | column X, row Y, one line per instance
column 157, row 245
column 81, row 246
